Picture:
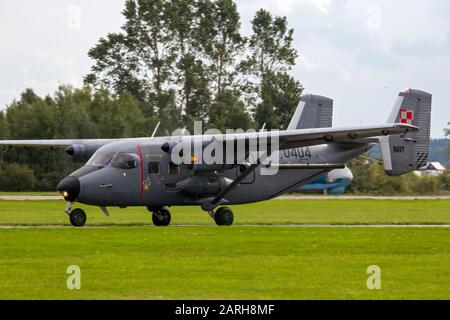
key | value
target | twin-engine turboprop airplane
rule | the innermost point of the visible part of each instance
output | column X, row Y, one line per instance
column 148, row 171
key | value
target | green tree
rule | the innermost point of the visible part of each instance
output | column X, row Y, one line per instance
column 31, row 116
column 73, row 118
column 140, row 59
column 271, row 58
column 221, row 41
column 116, row 116
column 2, row 125
column 2, row 135
column 190, row 73
column 280, row 95
column 228, row 112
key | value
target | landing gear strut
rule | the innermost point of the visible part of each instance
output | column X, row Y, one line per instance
column 160, row 216
column 77, row 217
column 224, row 216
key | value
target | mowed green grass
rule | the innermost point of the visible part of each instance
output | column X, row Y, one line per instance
column 270, row 212
column 238, row 262
column 29, row 193
column 224, row 263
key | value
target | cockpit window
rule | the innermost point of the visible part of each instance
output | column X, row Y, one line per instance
column 100, row 160
column 125, row 161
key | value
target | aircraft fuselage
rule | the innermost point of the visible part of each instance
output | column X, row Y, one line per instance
column 156, row 181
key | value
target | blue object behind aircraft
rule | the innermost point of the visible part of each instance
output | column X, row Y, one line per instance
column 334, row 182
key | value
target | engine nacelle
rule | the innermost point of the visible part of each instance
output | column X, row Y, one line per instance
column 168, row 146
column 81, row 151
column 204, row 185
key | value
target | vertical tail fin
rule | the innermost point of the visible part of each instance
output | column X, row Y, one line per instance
column 313, row 111
column 408, row 152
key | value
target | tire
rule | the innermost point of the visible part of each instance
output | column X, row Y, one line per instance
column 224, row 216
column 77, row 218
column 161, row 218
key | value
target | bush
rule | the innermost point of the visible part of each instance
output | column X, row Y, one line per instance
column 369, row 178
column 445, row 181
column 15, row 177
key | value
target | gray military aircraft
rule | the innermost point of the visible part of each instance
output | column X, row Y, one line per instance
column 142, row 171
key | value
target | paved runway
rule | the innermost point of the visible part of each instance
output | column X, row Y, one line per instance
column 290, row 197
column 381, row 226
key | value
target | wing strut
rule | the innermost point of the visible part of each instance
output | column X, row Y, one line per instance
column 211, row 205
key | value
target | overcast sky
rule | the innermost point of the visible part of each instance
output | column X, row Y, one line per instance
column 358, row 52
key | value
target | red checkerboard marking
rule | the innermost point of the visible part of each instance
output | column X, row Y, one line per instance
column 407, row 116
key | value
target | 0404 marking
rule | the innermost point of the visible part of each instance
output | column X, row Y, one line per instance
column 298, row 153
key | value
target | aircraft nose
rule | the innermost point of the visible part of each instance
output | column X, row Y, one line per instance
column 69, row 187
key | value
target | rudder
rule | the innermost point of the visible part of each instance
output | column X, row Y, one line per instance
column 408, row 152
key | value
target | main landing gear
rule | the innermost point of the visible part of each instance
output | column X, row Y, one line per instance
column 160, row 216
column 223, row 216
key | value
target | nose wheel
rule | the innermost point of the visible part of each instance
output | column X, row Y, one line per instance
column 77, row 218
column 160, row 216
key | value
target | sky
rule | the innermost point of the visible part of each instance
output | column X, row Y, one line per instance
column 359, row 53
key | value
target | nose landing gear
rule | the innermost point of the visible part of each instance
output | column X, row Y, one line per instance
column 77, row 217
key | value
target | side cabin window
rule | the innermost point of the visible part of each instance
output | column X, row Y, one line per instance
column 153, row 167
column 125, row 161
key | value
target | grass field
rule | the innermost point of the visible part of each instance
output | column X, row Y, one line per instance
column 32, row 212
column 239, row 262
column 29, row 193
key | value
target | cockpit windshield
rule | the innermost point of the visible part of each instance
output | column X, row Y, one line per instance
column 100, row 160
column 124, row 160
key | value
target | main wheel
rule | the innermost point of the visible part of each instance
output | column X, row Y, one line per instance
column 224, row 216
column 77, row 218
column 161, row 217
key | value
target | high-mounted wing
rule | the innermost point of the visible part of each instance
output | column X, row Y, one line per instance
column 310, row 137
column 77, row 148
column 233, row 149
column 303, row 138
column 53, row 142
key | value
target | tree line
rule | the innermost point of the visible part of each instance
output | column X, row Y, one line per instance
column 70, row 113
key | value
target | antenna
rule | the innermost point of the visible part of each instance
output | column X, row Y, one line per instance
column 263, row 127
column 156, row 129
